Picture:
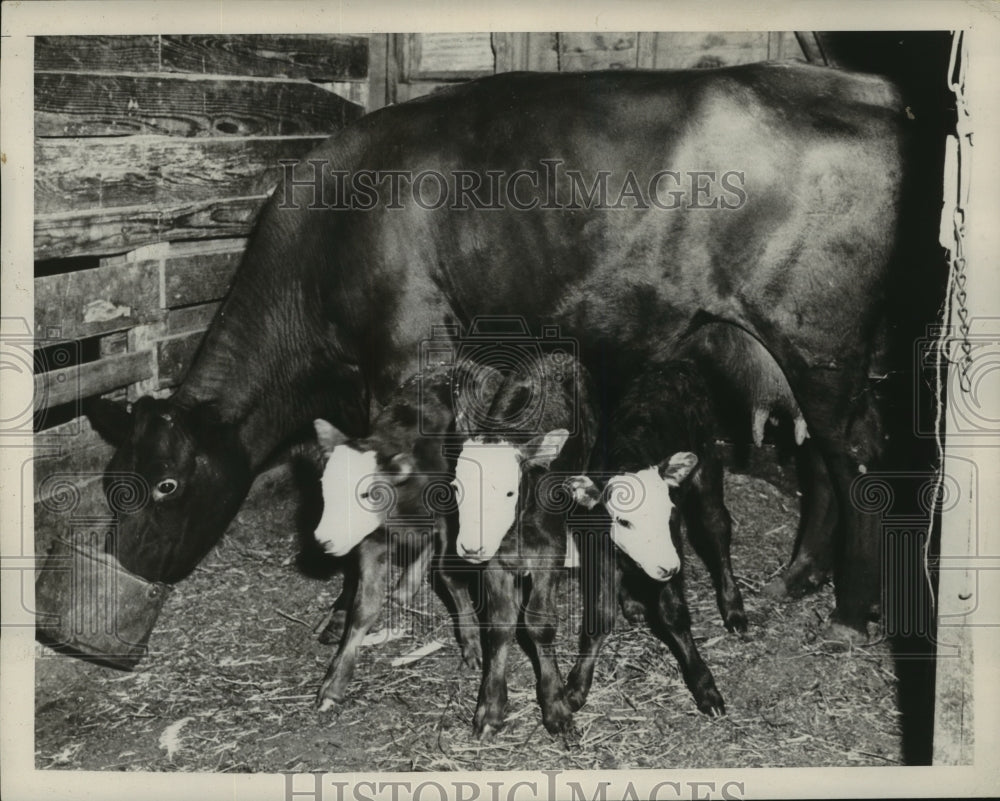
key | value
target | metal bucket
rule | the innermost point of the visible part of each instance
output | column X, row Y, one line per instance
column 91, row 607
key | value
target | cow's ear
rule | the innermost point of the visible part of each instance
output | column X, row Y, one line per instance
column 541, row 451
column 584, row 490
column 112, row 420
column 678, row 467
column 328, row 436
column 399, row 468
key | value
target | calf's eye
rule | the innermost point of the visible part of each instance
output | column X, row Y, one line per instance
column 510, row 494
column 621, row 521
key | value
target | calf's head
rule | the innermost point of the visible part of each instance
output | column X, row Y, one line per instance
column 640, row 506
column 361, row 487
column 488, row 480
column 176, row 480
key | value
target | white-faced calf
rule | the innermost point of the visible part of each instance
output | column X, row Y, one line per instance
column 399, row 472
column 659, row 463
column 511, row 520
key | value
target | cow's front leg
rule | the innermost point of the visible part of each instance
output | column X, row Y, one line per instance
column 501, row 618
column 372, row 557
column 541, row 623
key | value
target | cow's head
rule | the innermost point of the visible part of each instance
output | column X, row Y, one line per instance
column 488, row 480
column 177, row 478
column 640, row 507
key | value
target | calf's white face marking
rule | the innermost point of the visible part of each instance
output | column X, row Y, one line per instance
column 487, row 476
column 639, row 505
column 356, row 495
column 488, row 479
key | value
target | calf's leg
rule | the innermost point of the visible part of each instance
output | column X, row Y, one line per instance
column 372, row 556
column 501, row 618
column 711, row 530
column 541, row 621
column 598, row 580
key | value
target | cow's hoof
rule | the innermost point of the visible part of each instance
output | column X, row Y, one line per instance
column 838, row 636
column 796, row 584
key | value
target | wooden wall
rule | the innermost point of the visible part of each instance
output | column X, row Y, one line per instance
column 153, row 155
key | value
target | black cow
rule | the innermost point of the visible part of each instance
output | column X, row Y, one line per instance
column 764, row 195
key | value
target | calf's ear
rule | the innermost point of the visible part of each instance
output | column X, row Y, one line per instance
column 678, row 467
column 328, row 436
column 543, row 450
column 112, row 420
column 584, row 491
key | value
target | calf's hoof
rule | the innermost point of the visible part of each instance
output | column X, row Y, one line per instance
column 327, row 703
column 709, row 701
column 735, row 620
column 485, row 727
column 558, row 718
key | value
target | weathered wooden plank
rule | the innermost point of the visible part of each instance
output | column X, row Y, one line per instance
column 82, row 381
column 191, row 318
column 597, row 51
column 118, row 230
column 77, row 451
column 447, row 56
column 98, row 53
column 198, row 278
column 96, row 301
column 85, row 104
column 322, row 57
column 378, row 62
column 699, row 50
column 101, row 172
column 173, row 355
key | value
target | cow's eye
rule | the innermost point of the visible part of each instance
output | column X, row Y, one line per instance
column 166, row 486
column 621, row 521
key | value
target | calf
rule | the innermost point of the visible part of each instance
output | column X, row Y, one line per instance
column 659, row 459
column 397, row 473
column 510, row 521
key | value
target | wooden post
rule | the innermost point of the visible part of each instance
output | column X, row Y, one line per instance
column 969, row 585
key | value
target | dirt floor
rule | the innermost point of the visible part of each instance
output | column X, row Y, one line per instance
column 234, row 667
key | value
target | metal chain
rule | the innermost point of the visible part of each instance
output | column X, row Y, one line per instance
column 956, row 77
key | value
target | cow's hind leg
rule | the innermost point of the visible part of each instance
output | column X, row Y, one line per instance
column 541, row 624
column 598, row 580
column 711, row 530
column 812, row 560
column 372, row 557
column 501, row 619
column 847, row 428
